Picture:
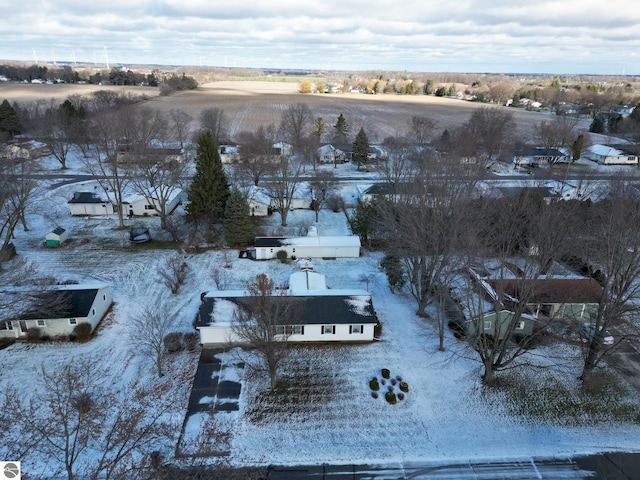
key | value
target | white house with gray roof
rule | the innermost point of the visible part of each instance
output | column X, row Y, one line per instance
column 326, row 315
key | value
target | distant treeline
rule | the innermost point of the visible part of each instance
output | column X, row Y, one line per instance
column 115, row 76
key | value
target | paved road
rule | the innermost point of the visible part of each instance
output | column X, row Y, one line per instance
column 609, row 466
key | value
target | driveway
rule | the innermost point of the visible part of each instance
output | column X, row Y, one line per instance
column 212, row 388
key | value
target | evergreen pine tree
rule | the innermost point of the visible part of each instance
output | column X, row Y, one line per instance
column 341, row 129
column 361, row 148
column 238, row 227
column 209, row 189
column 9, row 120
column 597, row 126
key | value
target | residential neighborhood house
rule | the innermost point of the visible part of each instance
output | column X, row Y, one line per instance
column 325, row 315
column 311, row 246
column 134, row 204
column 56, row 311
column 612, row 154
column 533, row 157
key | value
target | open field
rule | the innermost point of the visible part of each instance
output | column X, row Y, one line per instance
column 249, row 104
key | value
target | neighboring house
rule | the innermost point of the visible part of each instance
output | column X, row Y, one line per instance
column 229, row 153
column 547, row 193
column 75, row 304
column 134, row 204
column 23, row 150
column 266, row 248
column 129, row 155
column 330, row 154
column 326, row 315
column 406, row 192
column 89, row 204
column 532, row 157
column 142, row 206
column 569, row 110
column 622, row 110
column 282, row 148
column 56, row 237
column 612, row 154
column 479, row 311
column 301, row 199
column 570, row 298
column 259, row 202
column 499, row 321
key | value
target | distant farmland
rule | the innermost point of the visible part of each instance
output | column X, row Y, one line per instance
column 249, row 104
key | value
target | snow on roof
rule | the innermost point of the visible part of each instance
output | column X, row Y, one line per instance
column 223, row 311
column 359, row 303
column 351, row 240
column 259, row 195
column 605, row 150
column 304, row 283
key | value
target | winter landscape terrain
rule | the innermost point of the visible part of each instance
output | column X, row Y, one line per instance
column 446, row 415
column 329, row 414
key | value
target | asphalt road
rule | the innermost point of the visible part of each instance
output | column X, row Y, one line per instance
column 609, row 466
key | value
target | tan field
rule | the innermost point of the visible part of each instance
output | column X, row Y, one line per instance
column 247, row 105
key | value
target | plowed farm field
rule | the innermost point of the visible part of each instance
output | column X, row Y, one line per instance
column 250, row 104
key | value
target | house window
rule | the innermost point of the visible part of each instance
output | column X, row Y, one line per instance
column 328, row 329
column 6, row 325
column 356, row 328
column 289, row 330
column 487, row 324
column 93, row 312
column 41, row 323
column 520, row 325
column 104, row 298
column 73, row 321
column 148, row 207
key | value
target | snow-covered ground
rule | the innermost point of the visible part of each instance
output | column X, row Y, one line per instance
column 446, row 414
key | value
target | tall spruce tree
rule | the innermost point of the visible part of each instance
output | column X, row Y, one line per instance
column 238, row 227
column 209, row 189
column 340, row 131
column 361, row 148
column 9, row 120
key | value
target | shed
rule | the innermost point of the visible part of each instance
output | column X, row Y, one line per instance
column 56, row 237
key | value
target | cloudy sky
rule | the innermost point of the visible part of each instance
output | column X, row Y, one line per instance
column 510, row 36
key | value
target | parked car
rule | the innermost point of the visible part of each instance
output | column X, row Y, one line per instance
column 589, row 330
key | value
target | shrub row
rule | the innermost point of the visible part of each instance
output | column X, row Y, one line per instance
column 178, row 341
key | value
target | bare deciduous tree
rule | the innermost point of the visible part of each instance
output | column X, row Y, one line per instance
column 257, row 155
column 157, row 178
column 100, row 148
column 283, row 186
column 174, row 272
column 497, row 230
column 264, row 322
column 67, row 414
column 73, row 416
column 221, row 278
column 148, row 329
column 490, row 128
column 294, row 123
column 214, row 120
column 422, row 129
column 322, row 187
column 180, row 121
column 613, row 247
column 17, row 187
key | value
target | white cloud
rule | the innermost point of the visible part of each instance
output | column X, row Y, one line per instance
column 475, row 35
